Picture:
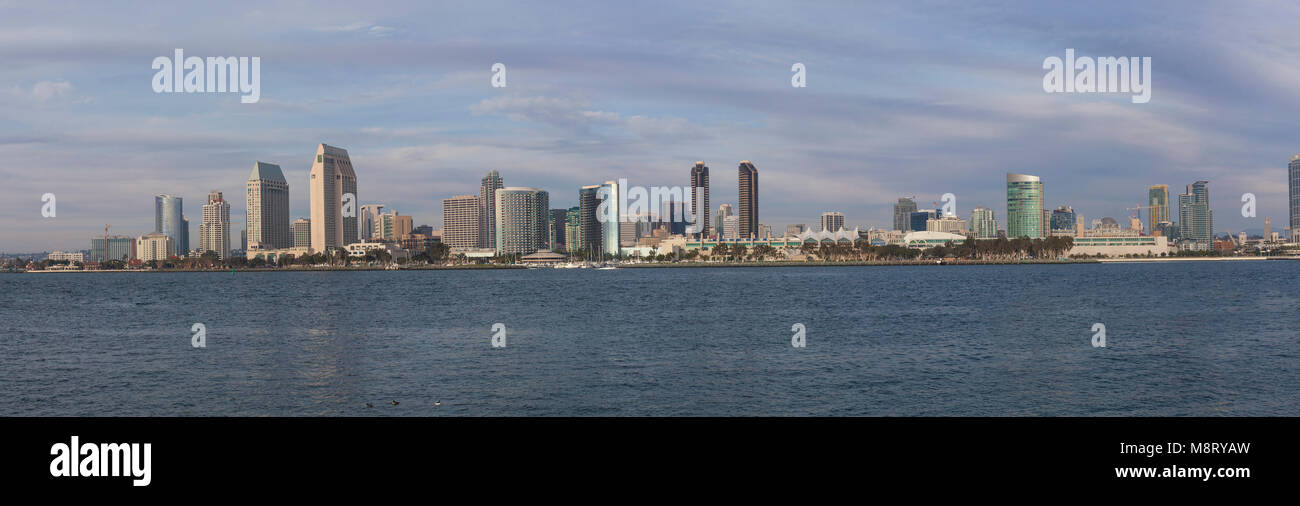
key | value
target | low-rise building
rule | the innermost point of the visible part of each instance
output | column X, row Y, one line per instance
column 1119, row 246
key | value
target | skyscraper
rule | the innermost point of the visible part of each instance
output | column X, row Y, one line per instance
column 748, row 200
column 331, row 179
column 522, row 220
column 461, row 221
column 730, row 227
column 983, row 224
column 700, row 179
column 1293, row 189
column 267, row 208
column 832, row 221
column 724, row 211
column 1158, row 200
column 589, row 225
column 559, row 229
column 183, row 248
column 573, row 230
column 903, row 210
column 1024, row 206
column 487, row 201
column 607, row 212
column 302, row 233
column 214, row 231
column 168, row 219
column 391, row 226
column 369, row 215
column 1195, row 219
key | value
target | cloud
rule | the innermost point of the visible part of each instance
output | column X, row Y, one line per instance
column 44, row 92
column 558, row 112
column 365, row 27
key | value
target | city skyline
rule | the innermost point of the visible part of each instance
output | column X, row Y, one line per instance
column 416, row 109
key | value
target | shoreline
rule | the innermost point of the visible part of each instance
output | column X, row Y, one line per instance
column 689, row 265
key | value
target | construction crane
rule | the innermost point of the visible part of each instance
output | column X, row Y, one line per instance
column 1137, row 211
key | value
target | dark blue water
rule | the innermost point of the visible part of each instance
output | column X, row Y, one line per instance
column 1195, row 338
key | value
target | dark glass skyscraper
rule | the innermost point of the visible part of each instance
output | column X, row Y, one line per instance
column 748, row 200
column 588, row 227
column 700, row 179
column 1293, row 188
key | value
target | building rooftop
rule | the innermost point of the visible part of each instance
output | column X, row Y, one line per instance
column 267, row 171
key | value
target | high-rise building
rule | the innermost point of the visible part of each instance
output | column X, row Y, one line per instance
column 1196, row 219
column 794, row 230
column 120, row 247
column 983, row 225
column 183, row 246
column 1293, row 189
column 461, row 221
column 168, row 219
column 731, row 227
column 724, row 211
column 267, row 208
column 918, row 221
column 627, row 233
column 1063, row 221
column 903, row 210
column 700, row 179
column 588, row 223
column 214, row 232
column 832, row 221
column 487, row 229
column 1024, row 206
column 332, row 178
column 559, row 229
column 522, row 220
column 154, row 246
column 391, row 226
column 302, row 233
column 607, row 213
column 748, row 200
column 1158, row 200
column 573, row 229
column 369, row 215
column 764, row 231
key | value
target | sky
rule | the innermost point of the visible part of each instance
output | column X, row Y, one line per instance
column 902, row 98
